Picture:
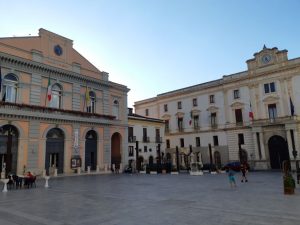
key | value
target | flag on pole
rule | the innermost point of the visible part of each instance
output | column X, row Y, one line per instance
column 49, row 91
column 251, row 116
column 292, row 107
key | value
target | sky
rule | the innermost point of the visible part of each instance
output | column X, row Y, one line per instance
column 157, row 46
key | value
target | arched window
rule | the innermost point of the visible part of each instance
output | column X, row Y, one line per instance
column 56, row 98
column 116, row 109
column 10, row 84
column 91, row 105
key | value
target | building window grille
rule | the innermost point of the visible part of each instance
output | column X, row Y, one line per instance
column 195, row 102
column 179, row 106
column 211, row 99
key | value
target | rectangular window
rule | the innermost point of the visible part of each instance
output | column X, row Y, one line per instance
column 197, row 141
column 196, row 121
column 165, row 107
column 179, row 105
column 213, row 119
column 130, row 134
column 241, row 139
column 167, row 126
column 238, row 116
column 211, row 99
column 272, row 111
column 144, row 134
column 157, row 136
column 145, row 148
column 180, row 124
column 168, row 143
column 236, row 94
column 216, row 140
column 147, row 112
column 269, row 87
column 130, row 151
column 181, row 142
column 195, row 102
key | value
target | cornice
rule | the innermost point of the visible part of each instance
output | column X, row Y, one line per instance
column 36, row 67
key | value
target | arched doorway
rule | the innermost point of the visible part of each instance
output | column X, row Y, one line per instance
column 91, row 150
column 217, row 157
column 8, row 149
column 278, row 151
column 116, row 149
column 55, row 150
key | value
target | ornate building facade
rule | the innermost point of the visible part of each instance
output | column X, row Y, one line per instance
column 57, row 109
column 248, row 116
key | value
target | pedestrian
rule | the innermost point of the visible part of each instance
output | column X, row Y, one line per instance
column 244, row 170
column 231, row 178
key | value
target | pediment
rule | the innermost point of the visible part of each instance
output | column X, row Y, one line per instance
column 179, row 114
column 271, row 98
column 166, row 117
column 237, row 104
column 212, row 108
column 195, row 112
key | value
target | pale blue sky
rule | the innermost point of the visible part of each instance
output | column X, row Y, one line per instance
column 156, row 46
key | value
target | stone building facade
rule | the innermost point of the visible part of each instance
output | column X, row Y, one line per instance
column 57, row 109
column 248, row 116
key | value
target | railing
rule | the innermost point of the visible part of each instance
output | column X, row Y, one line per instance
column 49, row 110
column 275, row 121
column 146, row 139
column 132, row 139
column 158, row 139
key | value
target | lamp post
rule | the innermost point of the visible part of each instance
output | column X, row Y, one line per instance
column 158, row 157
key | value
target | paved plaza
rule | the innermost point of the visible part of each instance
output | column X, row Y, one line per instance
column 152, row 199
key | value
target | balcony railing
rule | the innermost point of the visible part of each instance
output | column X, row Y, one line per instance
column 27, row 109
column 146, row 139
column 275, row 121
column 158, row 139
column 132, row 139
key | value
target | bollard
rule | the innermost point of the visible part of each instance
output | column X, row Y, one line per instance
column 46, row 183
column 78, row 170
column 55, row 172
column 97, row 169
column 88, row 169
column 44, row 173
column 5, row 181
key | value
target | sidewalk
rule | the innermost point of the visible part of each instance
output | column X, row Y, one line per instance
column 152, row 199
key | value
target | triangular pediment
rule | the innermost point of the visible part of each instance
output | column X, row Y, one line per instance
column 166, row 117
column 179, row 114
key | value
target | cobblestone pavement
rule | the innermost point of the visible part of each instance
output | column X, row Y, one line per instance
column 152, row 199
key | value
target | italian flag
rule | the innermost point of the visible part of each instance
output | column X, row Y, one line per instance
column 49, row 92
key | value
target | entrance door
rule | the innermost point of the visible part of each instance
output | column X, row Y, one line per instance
column 278, row 150
column 55, row 150
column 217, row 157
column 8, row 149
column 116, row 149
column 91, row 150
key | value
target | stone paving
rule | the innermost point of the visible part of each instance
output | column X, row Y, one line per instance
column 152, row 199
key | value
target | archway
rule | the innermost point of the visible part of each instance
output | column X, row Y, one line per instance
column 91, row 150
column 278, row 151
column 217, row 157
column 8, row 149
column 55, row 150
column 116, row 149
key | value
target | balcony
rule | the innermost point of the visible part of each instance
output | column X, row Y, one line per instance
column 132, row 139
column 158, row 139
column 275, row 121
column 214, row 126
column 146, row 139
column 55, row 114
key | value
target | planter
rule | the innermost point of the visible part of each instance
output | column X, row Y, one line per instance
column 143, row 172
column 289, row 191
column 174, row 173
column 153, row 172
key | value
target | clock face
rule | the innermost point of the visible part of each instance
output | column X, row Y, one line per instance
column 266, row 58
column 58, row 50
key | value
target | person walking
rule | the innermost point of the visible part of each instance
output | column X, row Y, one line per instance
column 231, row 178
column 244, row 169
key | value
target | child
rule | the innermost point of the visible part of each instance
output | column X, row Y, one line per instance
column 244, row 171
column 231, row 178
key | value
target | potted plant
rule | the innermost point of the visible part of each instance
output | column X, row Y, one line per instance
column 289, row 184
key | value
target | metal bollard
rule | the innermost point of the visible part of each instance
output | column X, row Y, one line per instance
column 46, row 183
